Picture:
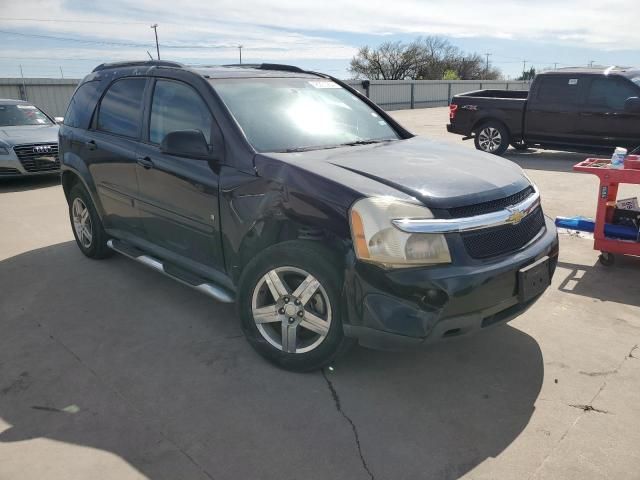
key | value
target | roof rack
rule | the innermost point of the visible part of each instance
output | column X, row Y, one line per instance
column 142, row 63
column 268, row 66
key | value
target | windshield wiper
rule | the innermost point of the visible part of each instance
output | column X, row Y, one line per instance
column 363, row 142
column 328, row 147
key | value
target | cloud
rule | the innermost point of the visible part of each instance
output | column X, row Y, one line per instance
column 197, row 31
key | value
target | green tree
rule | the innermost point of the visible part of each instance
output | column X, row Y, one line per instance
column 450, row 75
column 528, row 75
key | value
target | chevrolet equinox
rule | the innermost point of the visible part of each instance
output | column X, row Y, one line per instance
column 293, row 195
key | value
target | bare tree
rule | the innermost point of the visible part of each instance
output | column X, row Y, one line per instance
column 425, row 58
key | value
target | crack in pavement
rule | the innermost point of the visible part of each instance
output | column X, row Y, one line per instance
column 588, row 408
column 585, row 408
column 336, row 401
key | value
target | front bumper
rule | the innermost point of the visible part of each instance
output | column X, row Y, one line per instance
column 11, row 167
column 403, row 308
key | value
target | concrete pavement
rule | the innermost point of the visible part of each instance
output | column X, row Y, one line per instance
column 111, row 371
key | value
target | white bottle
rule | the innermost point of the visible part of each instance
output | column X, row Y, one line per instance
column 617, row 159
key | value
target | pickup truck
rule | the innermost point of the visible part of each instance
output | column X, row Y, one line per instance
column 574, row 109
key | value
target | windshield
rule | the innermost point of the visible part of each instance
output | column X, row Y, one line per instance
column 17, row 115
column 287, row 114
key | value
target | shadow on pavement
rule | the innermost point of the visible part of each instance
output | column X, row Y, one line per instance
column 21, row 184
column 617, row 283
column 110, row 355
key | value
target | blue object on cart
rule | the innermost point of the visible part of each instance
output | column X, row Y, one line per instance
column 583, row 224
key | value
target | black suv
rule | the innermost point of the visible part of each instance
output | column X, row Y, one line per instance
column 292, row 194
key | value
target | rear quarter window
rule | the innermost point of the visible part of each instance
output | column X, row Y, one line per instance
column 82, row 105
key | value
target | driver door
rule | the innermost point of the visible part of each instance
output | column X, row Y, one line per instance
column 178, row 200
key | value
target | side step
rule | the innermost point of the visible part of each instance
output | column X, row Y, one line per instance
column 176, row 273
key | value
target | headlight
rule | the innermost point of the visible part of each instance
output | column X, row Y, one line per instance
column 376, row 240
column 4, row 151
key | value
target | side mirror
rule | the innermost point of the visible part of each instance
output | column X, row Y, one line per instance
column 632, row 105
column 186, row 143
column 59, row 119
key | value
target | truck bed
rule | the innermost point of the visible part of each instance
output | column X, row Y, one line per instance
column 513, row 94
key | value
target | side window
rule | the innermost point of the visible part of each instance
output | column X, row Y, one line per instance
column 559, row 89
column 610, row 93
column 82, row 105
column 120, row 109
column 177, row 106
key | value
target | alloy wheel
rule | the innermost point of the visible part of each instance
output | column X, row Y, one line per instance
column 82, row 222
column 291, row 310
column 489, row 139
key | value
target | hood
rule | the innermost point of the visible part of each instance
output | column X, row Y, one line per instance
column 12, row 136
column 440, row 175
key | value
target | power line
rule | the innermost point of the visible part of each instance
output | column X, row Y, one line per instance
column 58, row 20
column 118, row 44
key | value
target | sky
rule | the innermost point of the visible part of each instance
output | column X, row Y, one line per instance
column 54, row 38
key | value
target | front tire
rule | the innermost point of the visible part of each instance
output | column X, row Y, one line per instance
column 290, row 308
column 492, row 137
column 86, row 224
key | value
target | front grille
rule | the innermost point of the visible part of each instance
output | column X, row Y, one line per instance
column 38, row 157
column 6, row 171
column 491, row 206
column 496, row 241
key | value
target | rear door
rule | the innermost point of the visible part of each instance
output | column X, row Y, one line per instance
column 553, row 109
column 109, row 149
column 179, row 195
column 603, row 121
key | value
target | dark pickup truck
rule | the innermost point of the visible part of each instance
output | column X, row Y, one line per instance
column 574, row 109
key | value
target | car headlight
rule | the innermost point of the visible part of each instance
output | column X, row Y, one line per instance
column 378, row 241
column 4, row 151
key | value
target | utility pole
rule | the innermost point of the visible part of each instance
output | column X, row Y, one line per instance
column 240, row 53
column 155, row 30
column 524, row 67
column 486, row 71
column 591, row 63
column 24, row 86
column 555, row 65
column 61, row 73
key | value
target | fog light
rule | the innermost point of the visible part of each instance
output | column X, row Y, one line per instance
column 435, row 298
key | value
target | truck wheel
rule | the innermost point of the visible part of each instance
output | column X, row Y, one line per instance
column 290, row 308
column 86, row 225
column 492, row 137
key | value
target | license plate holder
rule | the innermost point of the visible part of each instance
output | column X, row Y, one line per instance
column 533, row 279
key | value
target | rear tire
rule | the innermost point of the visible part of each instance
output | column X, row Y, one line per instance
column 86, row 224
column 492, row 137
column 290, row 306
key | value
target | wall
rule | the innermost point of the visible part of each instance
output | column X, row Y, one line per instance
column 52, row 95
column 402, row 94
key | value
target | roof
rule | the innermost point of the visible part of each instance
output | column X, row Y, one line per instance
column 9, row 101
column 624, row 71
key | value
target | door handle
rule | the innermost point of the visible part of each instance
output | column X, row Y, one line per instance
column 145, row 162
column 91, row 145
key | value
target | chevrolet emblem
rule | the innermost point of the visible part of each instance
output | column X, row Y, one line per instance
column 515, row 217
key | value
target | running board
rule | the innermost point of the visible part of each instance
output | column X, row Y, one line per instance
column 186, row 278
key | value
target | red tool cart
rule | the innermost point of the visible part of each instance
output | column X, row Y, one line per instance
column 610, row 178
